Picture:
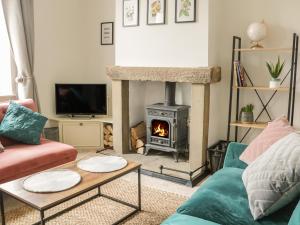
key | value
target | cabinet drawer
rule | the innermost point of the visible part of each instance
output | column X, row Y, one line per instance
column 82, row 134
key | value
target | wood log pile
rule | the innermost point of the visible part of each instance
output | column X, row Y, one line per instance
column 138, row 137
column 108, row 135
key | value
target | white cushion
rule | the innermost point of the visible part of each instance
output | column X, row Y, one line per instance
column 273, row 180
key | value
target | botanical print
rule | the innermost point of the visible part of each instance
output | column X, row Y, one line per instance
column 156, row 12
column 130, row 12
column 185, row 8
column 155, row 7
column 185, row 11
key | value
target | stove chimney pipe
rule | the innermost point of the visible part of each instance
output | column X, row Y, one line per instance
column 170, row 89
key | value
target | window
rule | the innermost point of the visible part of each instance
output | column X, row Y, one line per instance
column 6, row 79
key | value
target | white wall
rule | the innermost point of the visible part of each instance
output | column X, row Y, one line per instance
column 67, row 45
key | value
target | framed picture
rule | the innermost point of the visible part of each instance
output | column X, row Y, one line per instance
column 130, row 13
column 107, row 33
column 156, row 12
column 185, row 11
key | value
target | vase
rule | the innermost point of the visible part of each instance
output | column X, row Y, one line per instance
column 274, row 83
column 246, row 117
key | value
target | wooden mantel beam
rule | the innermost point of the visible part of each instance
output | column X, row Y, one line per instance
column 195, row 75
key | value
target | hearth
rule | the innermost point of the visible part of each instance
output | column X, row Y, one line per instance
column 167, row 125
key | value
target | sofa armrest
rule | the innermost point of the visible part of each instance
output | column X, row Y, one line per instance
column 295, row 219
column 233, row 153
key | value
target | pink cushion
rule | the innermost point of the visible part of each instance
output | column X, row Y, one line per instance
column 22, row 160
column 275, row 130
column 29, row 103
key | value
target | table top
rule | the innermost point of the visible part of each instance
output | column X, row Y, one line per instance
column 42, row 201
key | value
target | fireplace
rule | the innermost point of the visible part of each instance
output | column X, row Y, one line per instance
column 167, row 125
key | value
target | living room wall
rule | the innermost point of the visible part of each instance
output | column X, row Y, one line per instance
column 67, row 45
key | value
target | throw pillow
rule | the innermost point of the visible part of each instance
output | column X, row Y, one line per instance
column 22, row 124
column 273, row 180
column 1, row 147
column 273, row 132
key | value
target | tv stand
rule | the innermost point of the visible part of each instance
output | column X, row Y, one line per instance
column 82, row 132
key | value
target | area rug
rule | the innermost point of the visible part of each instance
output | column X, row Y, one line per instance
column 156, row 207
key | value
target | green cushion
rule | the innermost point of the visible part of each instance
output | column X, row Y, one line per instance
column 21, row 124
column 233, row 153
column 223, row 199
column 295, row 219
column 181, row 219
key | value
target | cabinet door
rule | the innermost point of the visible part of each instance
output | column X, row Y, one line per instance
column 82, row 134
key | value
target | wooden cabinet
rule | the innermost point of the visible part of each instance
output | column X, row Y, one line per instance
column 82, row 133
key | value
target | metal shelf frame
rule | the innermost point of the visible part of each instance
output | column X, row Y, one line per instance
column 292, row 74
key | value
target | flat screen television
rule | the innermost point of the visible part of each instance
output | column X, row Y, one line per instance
column 81, row 99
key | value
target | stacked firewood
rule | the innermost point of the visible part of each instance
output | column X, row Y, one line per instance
column 108, row 135
column 138, row 137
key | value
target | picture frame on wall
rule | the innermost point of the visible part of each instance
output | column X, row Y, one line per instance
column 131, row 13
column 156, row 12
column 185, row 11
column 107, row 33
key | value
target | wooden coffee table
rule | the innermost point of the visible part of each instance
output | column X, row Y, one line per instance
column 90, row 181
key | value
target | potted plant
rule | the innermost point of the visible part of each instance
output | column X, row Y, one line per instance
column 275, row 71
column 246, row 115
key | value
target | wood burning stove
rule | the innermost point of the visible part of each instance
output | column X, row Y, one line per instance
column 167, row 125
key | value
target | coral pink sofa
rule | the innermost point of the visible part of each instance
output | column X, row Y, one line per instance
column 19, row 160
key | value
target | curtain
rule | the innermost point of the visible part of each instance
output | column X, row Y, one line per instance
column 20, row 26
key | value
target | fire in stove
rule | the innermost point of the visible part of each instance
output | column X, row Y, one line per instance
column 160, row 128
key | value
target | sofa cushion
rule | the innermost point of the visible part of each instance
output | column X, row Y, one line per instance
column 275, row 130
column 223, row 199
column 181, row 219
column 22, row 124
column 22, row 160
column 28, row 103
column 273, row 179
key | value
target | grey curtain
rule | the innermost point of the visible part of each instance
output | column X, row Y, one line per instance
column 20, row 26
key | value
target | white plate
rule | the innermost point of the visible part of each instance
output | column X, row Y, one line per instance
column 102, row 164
column 52, row 181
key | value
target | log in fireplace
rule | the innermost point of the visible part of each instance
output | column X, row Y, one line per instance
column 167, row 125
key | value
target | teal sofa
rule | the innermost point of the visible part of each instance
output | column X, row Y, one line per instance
column 222, row 199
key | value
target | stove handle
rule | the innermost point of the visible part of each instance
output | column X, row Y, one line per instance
column 174, row 133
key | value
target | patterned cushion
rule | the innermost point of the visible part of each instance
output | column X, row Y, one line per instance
column 22, row 124
column 273, row 179
column 272, row 133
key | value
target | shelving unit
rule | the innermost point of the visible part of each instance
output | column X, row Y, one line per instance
column 290, row 89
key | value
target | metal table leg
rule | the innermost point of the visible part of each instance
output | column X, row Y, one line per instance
column 2, row 209
column 43, row 222
column 139, row 189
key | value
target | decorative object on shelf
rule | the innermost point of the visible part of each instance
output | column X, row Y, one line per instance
column 52, row 181
column 107, row 33
column 102, row 164
column 275, row 71
column 240, row 77
column 130, row 13
column 246, row 115
column 185, row 11
column 257, row 32
column 156, row 12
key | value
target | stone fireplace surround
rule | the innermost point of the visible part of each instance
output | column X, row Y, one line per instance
column 200, row 77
